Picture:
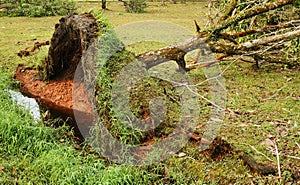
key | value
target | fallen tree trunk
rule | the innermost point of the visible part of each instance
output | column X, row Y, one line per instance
column 72, row 37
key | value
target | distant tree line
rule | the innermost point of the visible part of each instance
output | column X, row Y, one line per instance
column 36, row 8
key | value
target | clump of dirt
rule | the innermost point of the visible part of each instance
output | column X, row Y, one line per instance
column 218, row 149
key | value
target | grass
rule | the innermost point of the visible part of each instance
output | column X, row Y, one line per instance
column 264, row 104
column 37, row 154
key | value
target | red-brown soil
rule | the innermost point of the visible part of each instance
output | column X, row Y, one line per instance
column 56, row 96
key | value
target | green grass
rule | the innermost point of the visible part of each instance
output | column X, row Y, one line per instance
column 264, row 104
column 37, row 154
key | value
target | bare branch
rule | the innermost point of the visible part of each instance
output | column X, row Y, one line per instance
column 223, row 43
column 265, row 40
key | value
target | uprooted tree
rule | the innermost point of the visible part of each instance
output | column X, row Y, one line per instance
column 249, row 32
column 246, row 32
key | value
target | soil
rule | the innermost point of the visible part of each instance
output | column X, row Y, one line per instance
column 55, row 96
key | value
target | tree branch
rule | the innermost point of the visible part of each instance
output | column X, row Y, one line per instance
column 264, row 29
column 174, row 52
column 252, row 12
column 265, row 40
column 178, row 51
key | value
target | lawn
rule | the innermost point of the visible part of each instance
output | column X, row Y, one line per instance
column 263, row 105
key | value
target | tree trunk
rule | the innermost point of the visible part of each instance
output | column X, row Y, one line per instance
column 103, row 4
column 73, row 35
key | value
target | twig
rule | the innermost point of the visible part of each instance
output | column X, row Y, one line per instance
column 277, row 91
column 298, row 145
column 293, row 157
column 278, row 161
column 221, row 108
column 196, row 93
column 264, row 29
column 260, row 152
column 200, row 65
column 219, row 75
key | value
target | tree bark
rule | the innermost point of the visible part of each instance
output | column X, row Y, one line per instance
column 72, row 36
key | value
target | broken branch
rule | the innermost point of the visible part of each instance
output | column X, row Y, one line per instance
column 36, row 46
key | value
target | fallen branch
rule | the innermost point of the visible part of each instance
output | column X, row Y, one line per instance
column 293, row 157
column 253, row 148
column 36, row 46
column 178, row 51
column 219, row 148
column 174, row 52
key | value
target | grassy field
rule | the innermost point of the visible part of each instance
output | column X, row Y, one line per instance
column 263, row 104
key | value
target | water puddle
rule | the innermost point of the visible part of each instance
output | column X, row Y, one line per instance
column 27, row 104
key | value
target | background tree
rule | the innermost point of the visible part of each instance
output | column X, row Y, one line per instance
column 103, row 4
column 135, row 6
